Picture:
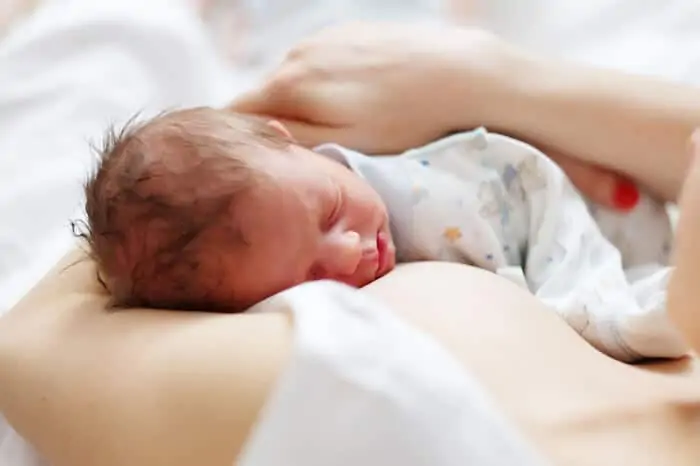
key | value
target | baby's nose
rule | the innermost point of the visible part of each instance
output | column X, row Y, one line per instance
column 343, row 255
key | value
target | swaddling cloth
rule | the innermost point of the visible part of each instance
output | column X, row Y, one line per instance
column 495, row 202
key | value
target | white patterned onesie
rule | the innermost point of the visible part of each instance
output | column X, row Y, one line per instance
column 489, row 200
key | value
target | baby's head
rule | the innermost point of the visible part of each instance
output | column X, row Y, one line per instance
column 207, row 209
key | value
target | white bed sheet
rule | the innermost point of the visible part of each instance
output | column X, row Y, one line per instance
column 150, row 55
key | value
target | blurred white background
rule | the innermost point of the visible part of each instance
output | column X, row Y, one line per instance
column 150, row 53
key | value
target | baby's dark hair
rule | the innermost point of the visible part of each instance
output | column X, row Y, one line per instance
column 160, row 203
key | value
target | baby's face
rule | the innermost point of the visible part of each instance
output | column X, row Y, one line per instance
column 315, row 219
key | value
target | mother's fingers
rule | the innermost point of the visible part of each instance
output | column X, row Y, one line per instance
column 264, row 101
column 253, row 101
column 258, row 102
column 287, row 93
column 310, row 134
column 598, row 184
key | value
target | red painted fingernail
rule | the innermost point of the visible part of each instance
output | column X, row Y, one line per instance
column 626, row 195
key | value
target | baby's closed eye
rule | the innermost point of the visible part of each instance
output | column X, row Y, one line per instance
column 333, row 211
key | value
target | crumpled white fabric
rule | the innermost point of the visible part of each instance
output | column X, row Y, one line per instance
column 489, row 200
column 364, row 388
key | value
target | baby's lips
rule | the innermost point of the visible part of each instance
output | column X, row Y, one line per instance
column 385, row 249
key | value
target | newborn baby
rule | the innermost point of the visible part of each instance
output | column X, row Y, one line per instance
column 204, row 209
column 207, row 209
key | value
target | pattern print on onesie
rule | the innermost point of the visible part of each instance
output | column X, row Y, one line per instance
column 494, row 202
column 419, row 193
column 531, row 176
column 523, row 178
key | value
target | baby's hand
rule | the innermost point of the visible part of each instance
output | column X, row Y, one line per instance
column 683, row 300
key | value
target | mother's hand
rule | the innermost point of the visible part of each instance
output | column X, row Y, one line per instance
column 384, row 87
column 387, row 87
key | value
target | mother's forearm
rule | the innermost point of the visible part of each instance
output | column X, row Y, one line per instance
column 635, row 125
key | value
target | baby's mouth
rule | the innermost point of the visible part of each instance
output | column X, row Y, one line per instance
column 384, row 257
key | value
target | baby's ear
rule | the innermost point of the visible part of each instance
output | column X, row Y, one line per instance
column 280, row 128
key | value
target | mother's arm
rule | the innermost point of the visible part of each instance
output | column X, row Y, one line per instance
column 637, row 125
column 88, row 385
column 387, row 87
